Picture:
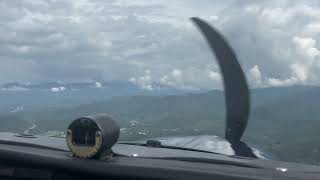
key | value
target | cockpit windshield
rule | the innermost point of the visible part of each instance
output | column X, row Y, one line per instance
column 146, row 64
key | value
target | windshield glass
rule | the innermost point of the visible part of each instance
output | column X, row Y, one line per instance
column 145, row 64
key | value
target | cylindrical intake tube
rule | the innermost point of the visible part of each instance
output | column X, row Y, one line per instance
column 88, row 137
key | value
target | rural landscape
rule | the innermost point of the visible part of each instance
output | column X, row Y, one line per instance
column 284, row 121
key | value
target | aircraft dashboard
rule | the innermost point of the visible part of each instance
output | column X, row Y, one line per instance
column 28, row 162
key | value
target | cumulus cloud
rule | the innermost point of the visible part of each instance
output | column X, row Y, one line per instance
column 306, row 46
column 299, row 74
column 255, row 76
column 177, row 74
column 150, row 42
column 58, row 89
column 98, row 84
column 145, row 81
column 133, row 80
column 192, row 79
column 214, row 76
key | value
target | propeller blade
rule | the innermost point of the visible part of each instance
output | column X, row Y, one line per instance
column 235, row 85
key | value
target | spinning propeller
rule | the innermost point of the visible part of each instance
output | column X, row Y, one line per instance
column 235, row 86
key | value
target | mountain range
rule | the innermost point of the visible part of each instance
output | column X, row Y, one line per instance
column 50, row 94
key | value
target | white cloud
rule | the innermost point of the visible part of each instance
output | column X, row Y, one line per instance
column 278, row 82
column 145, row 81
column 214, row 76
column 21, row 49
column 307, row 46
column 278, row 16
column 98, row 84
column 213, row 18
column 15, row 88
column 118, row 17
column 58, row 89
column 177, row 74
column 312, row 28
column 148, row 87
column 175, row 78
column 133, row 80
column 299, row 75
column 300, row 72
column 152, row 42
column 166, row 80
column 252, row 8
column 255, row 76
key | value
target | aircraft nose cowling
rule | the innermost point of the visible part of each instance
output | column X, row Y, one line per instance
column 213, row 144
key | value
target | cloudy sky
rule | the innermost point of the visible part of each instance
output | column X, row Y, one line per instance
column 152, row 41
